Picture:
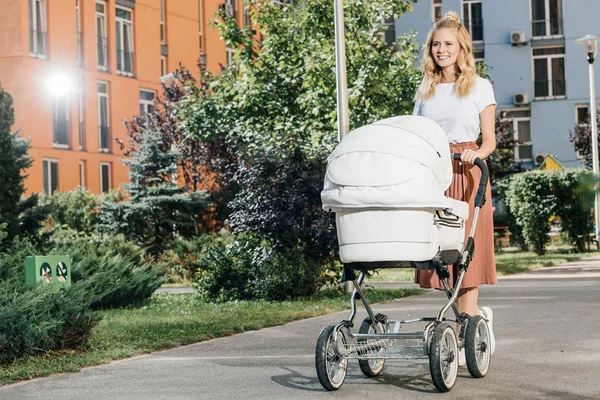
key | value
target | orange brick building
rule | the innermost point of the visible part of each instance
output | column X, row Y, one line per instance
column 77, row 68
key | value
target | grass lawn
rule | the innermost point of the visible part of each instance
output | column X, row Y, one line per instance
column 507, row 262
column 166, row 321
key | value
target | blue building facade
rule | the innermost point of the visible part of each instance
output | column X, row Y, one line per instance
column 539, row 72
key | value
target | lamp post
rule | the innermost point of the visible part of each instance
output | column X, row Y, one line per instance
column 341, row 84
column 590, row 45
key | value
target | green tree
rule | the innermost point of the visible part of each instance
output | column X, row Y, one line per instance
column 581, row 139
column 158, row 209
column 274, row 108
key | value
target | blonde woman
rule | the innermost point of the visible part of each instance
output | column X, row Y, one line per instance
column 463, row 104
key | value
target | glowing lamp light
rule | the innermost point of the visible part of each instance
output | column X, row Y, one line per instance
column 60, row 85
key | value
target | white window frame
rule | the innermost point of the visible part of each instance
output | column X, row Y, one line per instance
column 549, row 58
column 469, row 21
column 515, row 122
column 200, row 25
column 81, row 110
column 82, row 174
column 67, row 106
column 478, row 59
column 79, row 34
column 163, row 32
column 577, row 107
column 100, row 96
column 434, row 6
column 101, row 22
column 229, row 52
column 50, row 161
column 109, row 177
column 163, row 65
column 231, row 8
column 33, row 28
column 125, row 24
column 147, row 103
column 247, row 18
column 547, row 20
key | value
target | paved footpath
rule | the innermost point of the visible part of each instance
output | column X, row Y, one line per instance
column 548, row 347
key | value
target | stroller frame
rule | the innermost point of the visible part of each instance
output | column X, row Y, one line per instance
column 377, row 340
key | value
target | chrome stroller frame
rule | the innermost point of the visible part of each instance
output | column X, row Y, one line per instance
column 379, row 338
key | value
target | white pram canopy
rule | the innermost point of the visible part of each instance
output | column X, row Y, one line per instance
column 400, row 162
column 386, row 183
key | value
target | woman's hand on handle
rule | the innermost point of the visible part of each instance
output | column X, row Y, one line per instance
column 468, row 156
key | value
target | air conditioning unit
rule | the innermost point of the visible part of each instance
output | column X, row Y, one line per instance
column 539, row 158
column 520, row 99
column 518, row 37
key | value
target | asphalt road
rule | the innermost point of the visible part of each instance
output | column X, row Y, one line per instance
column 547, row 327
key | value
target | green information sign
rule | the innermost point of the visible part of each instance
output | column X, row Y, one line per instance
column 54, row 270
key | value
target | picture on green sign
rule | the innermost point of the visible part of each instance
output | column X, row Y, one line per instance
column 61, row 272
column 46, row 273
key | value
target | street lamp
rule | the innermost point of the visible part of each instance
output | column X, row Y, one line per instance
column 59, row 85
column 590, row 45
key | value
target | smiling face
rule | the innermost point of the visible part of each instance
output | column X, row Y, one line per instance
column 444, row 47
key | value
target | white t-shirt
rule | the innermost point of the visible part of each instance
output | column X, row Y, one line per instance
column 458, row 117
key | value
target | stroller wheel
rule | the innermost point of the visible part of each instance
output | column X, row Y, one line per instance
column 331, row 367
column 443, row 357
column 477, row 346
column 372, row 367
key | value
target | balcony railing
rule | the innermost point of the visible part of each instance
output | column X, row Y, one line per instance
column 104, row 134
column 60, row 130
column 542, row 88
column 102, row 53
column 125, row 62
column 475, row 27
column 37, row 43
column 79, row 49
column 547, row 27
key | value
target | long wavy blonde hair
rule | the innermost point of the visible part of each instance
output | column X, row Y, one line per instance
column 432, row 73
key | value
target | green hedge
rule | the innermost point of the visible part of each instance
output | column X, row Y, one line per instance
column 534, row 197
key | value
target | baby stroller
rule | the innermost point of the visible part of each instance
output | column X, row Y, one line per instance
column 386, row 184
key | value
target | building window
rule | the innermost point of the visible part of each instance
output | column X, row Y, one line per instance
column 103, row 117
column 582, row 114
column 79, row 34
column 282, row 3
column 229, row 54
column 473, row 19
column 124, row 41
column 101, row 40
column 37, row 28
column 60, row 122
column 231, row 8
column 390, row 32
column 80, row 109
column 546, row 16
column 146, row 101
column 163, row 65
column 479, row 56
column 50, row 176
column 200, row 25
column 437, row 10
column 549, row 72
column 82, row 174
column 247, row 16
column 163, row 35
column 521, row 129
column 105, row 181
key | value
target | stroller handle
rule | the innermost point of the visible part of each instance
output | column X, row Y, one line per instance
column 480, row 198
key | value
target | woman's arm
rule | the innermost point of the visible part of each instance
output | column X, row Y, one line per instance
column 488, row 134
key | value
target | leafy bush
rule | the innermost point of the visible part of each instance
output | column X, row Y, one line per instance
column 77, row 209
column 115, row 271
column 280, row 200
column 251, row 268
column 42, row 318
column 536, row 196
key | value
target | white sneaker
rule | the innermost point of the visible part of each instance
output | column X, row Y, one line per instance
column 488, row 314
column 462, row 360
